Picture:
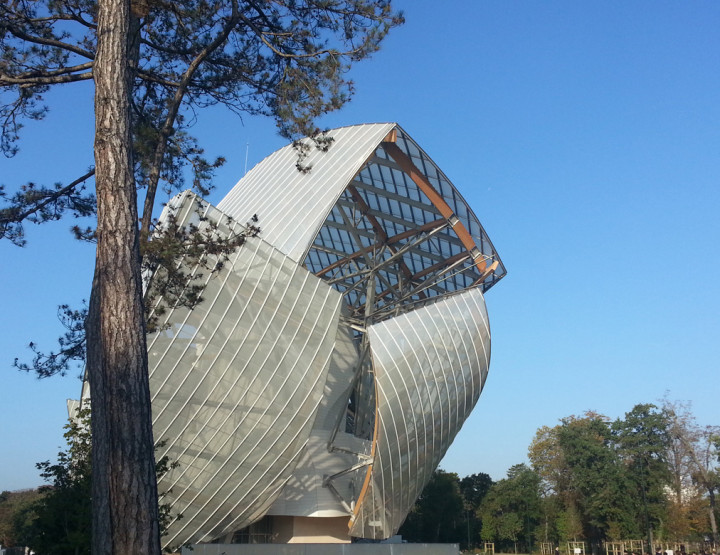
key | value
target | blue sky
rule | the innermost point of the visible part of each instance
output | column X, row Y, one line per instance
column 586, row 137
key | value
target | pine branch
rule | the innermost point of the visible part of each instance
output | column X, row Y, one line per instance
column 174, row 107
column 50, row 42
column 39, row 205
column 152, row 78
column 71, row 347
column 45, row 79
column 52, row 73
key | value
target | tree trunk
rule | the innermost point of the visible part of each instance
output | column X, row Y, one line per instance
column 652, row 539
column 713, row 521
column 125, row 513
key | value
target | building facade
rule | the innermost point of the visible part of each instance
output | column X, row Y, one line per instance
column 315, row 389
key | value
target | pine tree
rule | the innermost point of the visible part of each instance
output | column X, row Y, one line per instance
column 153, row 64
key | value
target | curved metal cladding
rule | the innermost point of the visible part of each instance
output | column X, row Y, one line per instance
column 237, row 382
column 430, row 366
column 291, row 204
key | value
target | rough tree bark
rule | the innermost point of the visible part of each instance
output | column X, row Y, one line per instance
column 125, row 514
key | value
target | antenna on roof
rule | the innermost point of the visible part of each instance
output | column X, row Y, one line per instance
column 247, row 149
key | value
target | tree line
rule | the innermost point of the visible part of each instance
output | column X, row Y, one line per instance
column 652, row 475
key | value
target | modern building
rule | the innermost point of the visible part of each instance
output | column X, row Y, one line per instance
column 312, row 393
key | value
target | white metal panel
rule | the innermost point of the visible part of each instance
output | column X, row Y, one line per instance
column 292, row 205
column 73, row 405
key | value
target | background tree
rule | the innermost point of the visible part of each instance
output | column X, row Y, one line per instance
column 594, row 476
column 474, row 488
column 59, row 522
column 590, row 480
column 643, row 441
column 153, row 64
column 583, row 480
column 548, row 462
column 57, row 519
column 683, row 494
column 125, row 516
column 569, row 524
column 702, row 449
column 627, row 479
column 11, row 504
column 510, row 512
column 438, row 514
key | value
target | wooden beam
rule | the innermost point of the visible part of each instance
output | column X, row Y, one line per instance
column 407, row 166
column 487, row 272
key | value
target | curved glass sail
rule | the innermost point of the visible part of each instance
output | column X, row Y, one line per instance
column 236, row 384
column 430, row 365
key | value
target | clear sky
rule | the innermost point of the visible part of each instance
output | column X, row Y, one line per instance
column 586, row 137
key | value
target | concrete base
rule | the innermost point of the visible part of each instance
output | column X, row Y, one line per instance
column 303, row 529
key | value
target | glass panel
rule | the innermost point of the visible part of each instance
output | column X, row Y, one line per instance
column 430, row 365
column 237, row 382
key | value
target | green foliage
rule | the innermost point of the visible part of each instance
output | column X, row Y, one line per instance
column 474, row 488
column 11, row 504
column 632, row 478
column 59, row 522
column 36, row 204
column 593, row 480
column 596, row 481
column 568, row 524
column 510, row 512
column 642, row 442
column 56, row 520
column 438, row 515
column 700, row 446
column 167, row 517
column 71, row 346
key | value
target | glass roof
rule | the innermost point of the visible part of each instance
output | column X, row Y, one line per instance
column 401, row 234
